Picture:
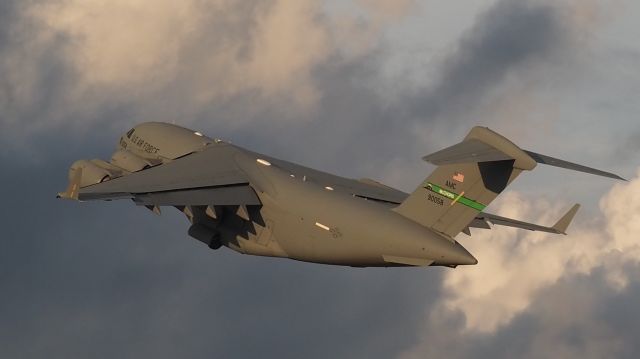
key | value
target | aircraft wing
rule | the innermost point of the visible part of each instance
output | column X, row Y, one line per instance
column 208, row 177
column 560, row 227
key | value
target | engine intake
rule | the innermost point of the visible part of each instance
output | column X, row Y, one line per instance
column 206, row 235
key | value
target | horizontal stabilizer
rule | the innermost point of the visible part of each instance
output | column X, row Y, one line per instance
column 470, row 151
column 482, row 147
column 569, row 165
column 559, row 228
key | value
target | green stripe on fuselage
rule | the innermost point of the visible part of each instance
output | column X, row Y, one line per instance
column 453, row 196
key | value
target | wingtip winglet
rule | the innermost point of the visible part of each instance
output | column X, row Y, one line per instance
column 73, row 189
column 564, row 222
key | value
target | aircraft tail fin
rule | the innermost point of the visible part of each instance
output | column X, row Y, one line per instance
column 469, row 176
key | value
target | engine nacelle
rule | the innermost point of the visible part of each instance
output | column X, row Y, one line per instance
column 128, row 161
column 206, row 235
column 91, row 173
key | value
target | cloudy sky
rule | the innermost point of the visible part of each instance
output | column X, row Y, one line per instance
column 362, row 88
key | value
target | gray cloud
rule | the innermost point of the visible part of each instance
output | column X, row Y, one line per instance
column 628, row 148
column 508, row 37
column 45, row 69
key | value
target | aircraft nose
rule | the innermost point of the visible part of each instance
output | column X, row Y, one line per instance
column 458, row 255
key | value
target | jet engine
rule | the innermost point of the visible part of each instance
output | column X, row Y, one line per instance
column 128, row 161
column 91, row 173
column 206, row 235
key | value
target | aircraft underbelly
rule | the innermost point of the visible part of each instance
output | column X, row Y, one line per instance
column 342, row 230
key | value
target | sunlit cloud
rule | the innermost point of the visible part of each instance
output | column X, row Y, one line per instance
column 516, row 267
column 173, row 61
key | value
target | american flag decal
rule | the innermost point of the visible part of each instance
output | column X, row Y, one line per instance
column 458, row 177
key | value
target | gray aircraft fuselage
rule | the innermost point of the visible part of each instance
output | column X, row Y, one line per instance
column 305, row 221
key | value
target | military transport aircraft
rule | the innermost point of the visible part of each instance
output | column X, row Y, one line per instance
column 259, row 205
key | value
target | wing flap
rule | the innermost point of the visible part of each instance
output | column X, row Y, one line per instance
column 220, row 196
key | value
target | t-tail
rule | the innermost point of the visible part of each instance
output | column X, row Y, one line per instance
column 470, row 175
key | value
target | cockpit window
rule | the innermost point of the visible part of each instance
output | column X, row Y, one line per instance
column 130, row 133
